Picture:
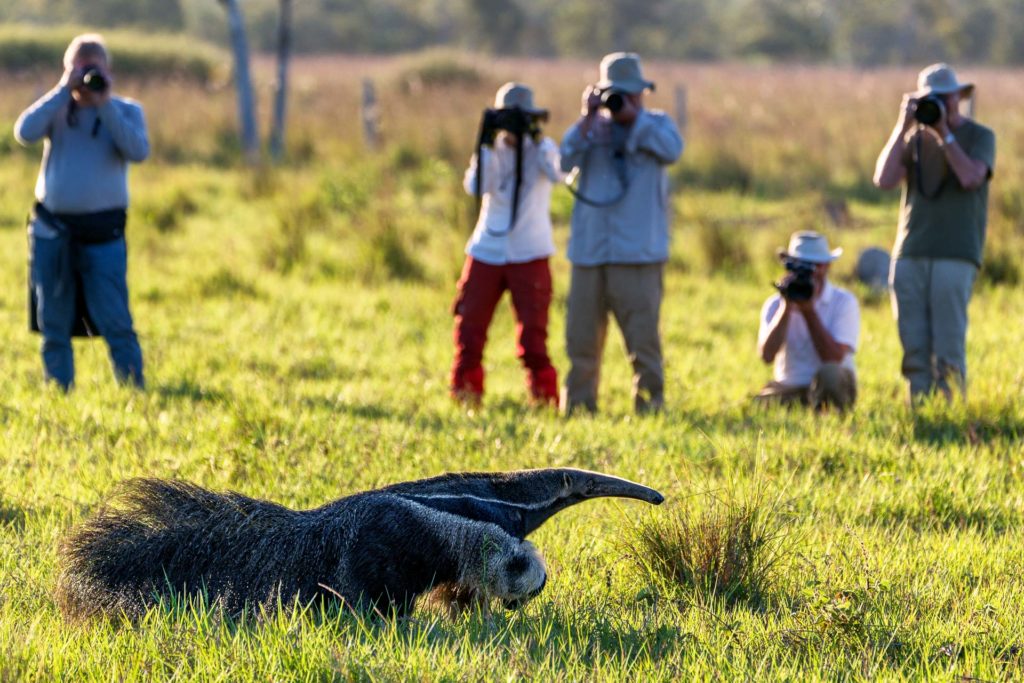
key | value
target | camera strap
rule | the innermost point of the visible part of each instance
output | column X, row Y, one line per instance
column 516, row 189
column 72, row 118
column 919, row 175
column 621, row 172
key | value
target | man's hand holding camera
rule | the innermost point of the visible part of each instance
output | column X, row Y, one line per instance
column 930, row 112
column 591, row 101
column 804, row 307
column 622, row 108
column 798, row 289
column 91, row 83
column 594, row 126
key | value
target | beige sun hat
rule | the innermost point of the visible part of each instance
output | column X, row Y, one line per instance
column 810, row 246
column 512, row 95
column 940, row 79
column 621, row 71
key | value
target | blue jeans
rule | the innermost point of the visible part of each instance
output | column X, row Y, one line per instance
column 102, row 270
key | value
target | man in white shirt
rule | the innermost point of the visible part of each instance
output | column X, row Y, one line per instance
column 809, row 330
column 509, row 250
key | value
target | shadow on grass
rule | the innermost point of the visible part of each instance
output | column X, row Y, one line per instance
column 13, row 516
column 980, row 427
column 594, row 634
column 938, row 512
column 190, row 390
column 375, row 411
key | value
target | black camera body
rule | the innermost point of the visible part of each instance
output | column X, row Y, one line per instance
column 613, row 100
column 798, row 282
column 929, row 110
column 520, row 123
column 94, row 80
column 512, row 120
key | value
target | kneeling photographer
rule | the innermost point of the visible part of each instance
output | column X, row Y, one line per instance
column 809, row 330
column 511, row 174
column 79, row 257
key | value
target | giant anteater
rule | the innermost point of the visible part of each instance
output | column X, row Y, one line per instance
column 376, row 550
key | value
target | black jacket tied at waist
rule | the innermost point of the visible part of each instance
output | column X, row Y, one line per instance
column 86, row 228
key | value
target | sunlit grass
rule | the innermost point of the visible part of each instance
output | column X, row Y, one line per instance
column 297, row 336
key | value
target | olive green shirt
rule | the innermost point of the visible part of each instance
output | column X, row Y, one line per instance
column 938, row 217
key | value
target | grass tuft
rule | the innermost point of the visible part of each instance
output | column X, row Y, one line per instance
column 167, row 215
column 731, row 550
column 724, row 246
column 434, row 69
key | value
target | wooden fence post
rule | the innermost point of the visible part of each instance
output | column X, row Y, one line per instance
column 681, row 116
column 284, row 50
column 370, row 114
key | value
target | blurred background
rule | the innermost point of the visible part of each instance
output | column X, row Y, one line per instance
column 864, row 32
column 784, row 105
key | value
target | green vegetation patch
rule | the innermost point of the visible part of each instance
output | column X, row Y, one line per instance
column 135, row 53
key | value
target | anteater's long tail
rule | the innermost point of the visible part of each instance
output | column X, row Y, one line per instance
column 157, row 536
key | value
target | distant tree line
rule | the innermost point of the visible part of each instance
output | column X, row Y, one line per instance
column 844, row 31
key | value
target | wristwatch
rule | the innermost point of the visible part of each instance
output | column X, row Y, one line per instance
column 949, row 139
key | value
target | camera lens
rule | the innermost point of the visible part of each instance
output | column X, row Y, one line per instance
column 928, row 110
column 94, row 80
column 613, row 101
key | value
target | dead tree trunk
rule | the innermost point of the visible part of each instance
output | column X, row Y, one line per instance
column 284, row 49
column 243, row 82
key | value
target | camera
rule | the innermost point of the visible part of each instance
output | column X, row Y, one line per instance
column 929, row 110
column 798, row 283
column 513, row 120
column 94, row 80
column 613, row 101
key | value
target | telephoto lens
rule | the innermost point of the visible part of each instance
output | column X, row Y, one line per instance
column 929, row 110
column 612, row 101
column 94, row 80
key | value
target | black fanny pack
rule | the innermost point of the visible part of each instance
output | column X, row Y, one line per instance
column 85, row 228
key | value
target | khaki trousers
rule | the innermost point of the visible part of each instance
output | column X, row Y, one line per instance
column 929, row 300
column 632, row 293
column 833, row 385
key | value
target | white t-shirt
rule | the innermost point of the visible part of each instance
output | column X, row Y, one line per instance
column 530, row 238
column 797, row 361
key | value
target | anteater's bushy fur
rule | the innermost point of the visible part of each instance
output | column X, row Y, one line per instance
column 158, row 535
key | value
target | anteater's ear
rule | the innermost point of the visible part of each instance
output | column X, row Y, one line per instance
column 521, row 501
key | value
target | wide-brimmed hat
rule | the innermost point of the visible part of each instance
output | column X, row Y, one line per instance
column 513, row 95
column 811, row 247
column 940, row 79
column 621, row 71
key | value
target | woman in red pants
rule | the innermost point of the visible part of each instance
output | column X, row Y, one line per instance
column 509, row 250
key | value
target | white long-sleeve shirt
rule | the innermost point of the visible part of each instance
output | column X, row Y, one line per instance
column 530, row 238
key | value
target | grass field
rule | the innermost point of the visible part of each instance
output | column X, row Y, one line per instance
column 297, row 338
